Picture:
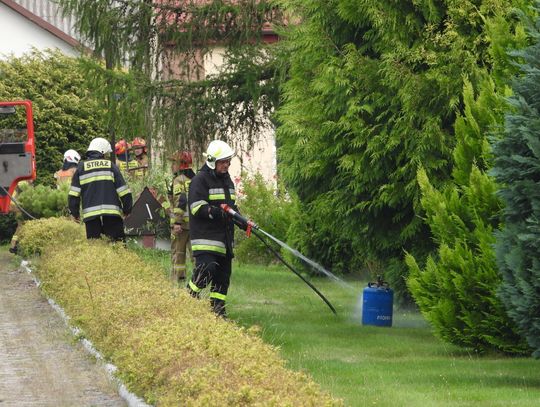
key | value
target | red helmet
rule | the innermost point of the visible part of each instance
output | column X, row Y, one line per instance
column 121, row 147
column 138, row 142
column 183, row 158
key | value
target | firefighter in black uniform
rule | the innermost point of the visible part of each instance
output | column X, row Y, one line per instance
column 212, row 231
column 99, row 187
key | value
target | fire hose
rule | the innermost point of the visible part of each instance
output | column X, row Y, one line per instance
column 252, row 227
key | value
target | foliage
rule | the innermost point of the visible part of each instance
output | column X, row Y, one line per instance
column 373, row 92
column 167, row 46
column 169, row 347
column 42, row 201
column 66, row 113
column 36, row 235
column 272, row 209
column 456, row 289
column 517, row 163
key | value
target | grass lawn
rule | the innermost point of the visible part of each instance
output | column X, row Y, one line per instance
column 400, row 366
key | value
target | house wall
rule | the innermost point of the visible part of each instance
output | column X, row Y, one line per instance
column 18, row 35
column 260, row 158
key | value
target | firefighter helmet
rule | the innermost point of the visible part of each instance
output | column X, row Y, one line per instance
column 218, row 150
column 182, row 158
column 71, row 156
column 121, row 147
column 138, row 142
column 101, row 145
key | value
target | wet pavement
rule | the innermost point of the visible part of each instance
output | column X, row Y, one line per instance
column 40, row 362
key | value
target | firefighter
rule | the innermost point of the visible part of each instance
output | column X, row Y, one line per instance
column 141, row 156
column 14, row 243
column 123, row 157
column 64, row 175
column 99, row 187
column 212, row 231
column 178, row 194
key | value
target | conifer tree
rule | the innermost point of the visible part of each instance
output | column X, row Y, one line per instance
column 517, row 169
column 457, row 289
column 373, row 92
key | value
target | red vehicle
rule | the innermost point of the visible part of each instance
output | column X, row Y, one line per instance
column 17, row 148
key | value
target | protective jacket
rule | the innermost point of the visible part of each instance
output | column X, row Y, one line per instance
column 142, row 166
column 66, row 173
column 178, row 197
column 126, row 163
column 100, row 187
column 211, row 233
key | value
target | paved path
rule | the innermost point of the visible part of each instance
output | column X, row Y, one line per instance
column 40, row 363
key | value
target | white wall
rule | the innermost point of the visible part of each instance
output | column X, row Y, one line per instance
column 18, row 35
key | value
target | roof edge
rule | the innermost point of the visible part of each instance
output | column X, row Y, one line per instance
column 42, row 23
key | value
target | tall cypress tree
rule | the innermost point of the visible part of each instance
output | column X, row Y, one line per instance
column 517, row 169
column 374, row 90
column 457, row 289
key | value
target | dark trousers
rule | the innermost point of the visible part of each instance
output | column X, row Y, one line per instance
column 216, row 271
column 110, row 226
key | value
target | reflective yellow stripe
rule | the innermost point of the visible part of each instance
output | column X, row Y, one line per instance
column 101, row 212
column 196, row 209
column 73, row 193
column 218, row 296
column 124, row 192
column 97, row 178
column 215, row 197
column 194, row 287
column 178, row 188
column 209, row 248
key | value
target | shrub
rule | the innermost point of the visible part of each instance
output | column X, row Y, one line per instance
column 517, row 169
column 456, row 290
column 272, row 209
column 66, row 113
column 36, row 235
column 42, row 201
column 168, row 347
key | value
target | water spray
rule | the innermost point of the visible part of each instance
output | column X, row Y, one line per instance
column 252, row 227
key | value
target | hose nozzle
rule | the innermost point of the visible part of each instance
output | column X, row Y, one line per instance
column 249, row 224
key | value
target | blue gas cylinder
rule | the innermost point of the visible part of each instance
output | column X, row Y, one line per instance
column 377, row 304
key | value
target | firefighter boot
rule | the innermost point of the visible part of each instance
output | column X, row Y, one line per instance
column 218, row 306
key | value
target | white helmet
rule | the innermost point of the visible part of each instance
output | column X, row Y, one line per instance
column 218, row 150
column 101, row 145
column 71, row 156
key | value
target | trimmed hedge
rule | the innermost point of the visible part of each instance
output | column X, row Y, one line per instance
column 169, row 348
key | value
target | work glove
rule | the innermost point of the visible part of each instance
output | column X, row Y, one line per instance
column 216, row 213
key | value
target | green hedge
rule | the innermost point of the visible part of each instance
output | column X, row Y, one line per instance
column 67, row 113
column 272, row 209
column 169, row 348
